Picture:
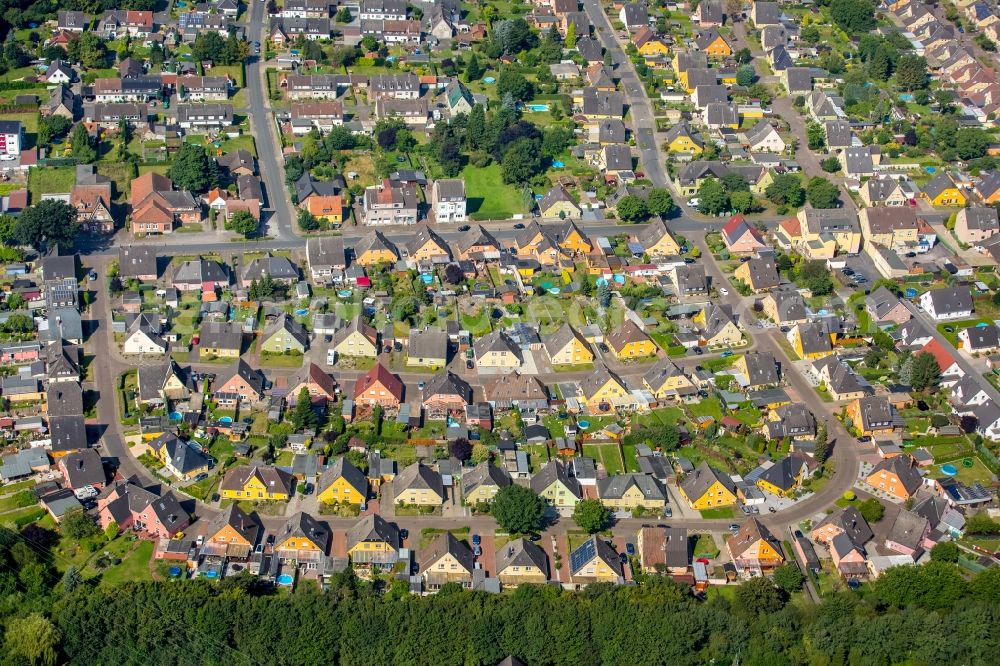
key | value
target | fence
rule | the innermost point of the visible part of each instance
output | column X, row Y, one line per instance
column 988, row 458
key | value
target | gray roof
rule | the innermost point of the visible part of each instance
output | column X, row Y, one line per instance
column 252, row 376
column 341, row 467
column 418, row 476
column 64, row 399
column 521, row 553
column 983, row 337
column 136, row 260
column 429, row 344
column 562, row 337
column 484, row 474
column 447, row 544
column 84, row 468
column 277, row 268
column 663, row 370
column 68, row 433
column 982, row 218
column 373, row 527
column 288, row 323
column 448, row 383
column 199, row 271
column 183, row 457
column 763, row 272
column 905, row 470
column 938, row 184
column 838, row 134
column 790, row 304
column 950, row 300
column 696, row 483
column 907, row 530
column 614, row 487
column 59, row 267
column 852, row 523
column 635, row 14
column 554, row 471
column 591, row 548
column 220, row 335
column 496, row 341
column 611, row 130
column 814, row 337
column 761, row 368
column 799, row 79
column 881, row 302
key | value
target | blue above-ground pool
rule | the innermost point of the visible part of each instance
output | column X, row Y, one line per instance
column 301, row 312
column 427, row 278
column 930, row 169
column 225, row 419
column 554, row 291
column 911, row 293
column 583, row 424
column 556, row 164
column 344, row 293
column 619, row 279
column 285, row 579
column 982, row 324
column 823, row 313
column 601, row 281
column 211, row 573
column 175, row 572
column 175, row 416
column 538, row 107
column 489, row 79
column 949, row 470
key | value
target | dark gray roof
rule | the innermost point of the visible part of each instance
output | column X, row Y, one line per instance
column 288, row 323
column 84, row 468
column 614, row 487
column 484, row 474
column 761, row 368
column 200, row 271
column 950, row 300
column 373, row 527
column 852, row 523
column 220, row 335
column 982, row 218
column 554, row 471
column 136, row 260
column 521, row 553
column 341, row 467
column 418, row 476
column 697, row 483
column 447, row 544
column 448, row 383
column 68, row 433
column 64, row 399
column 277, row 268
column 588, row 550
column 429, row 344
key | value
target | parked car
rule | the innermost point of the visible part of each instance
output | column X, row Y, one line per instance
column 630, row 549
column 668, row 512
column 734, row 528
column 519, row 226
column 723, row 291
column 403, row 534
column 464, row 227
column 469, row 364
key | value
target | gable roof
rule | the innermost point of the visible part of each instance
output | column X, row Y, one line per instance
column 904, row 468
column 614, row 487
column 448, row 383
column 447, row 544
column 748, row 535
column 850, row 521
column 521, row 553
column 420, row 477
column 381, row 375
column 342, row 468
column 588, row 550
column 627, row 333
column 373, row 527
column 562, row 337
column 697, row 482
column 302, row 525
column 484, row 474
column 551, row 472
column 762, row 368
column 233, row 516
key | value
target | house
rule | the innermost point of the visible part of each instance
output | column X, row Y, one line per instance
column 241, row 384
column 794, row 421
column 427, row 348
column 326, row 257
column 82, row 468
column 446, row 560
column 521, row 561
column 220, row 339
column 987, row 186
column 896, row 228
column 594, row 561
column 763, row 138
column 138, row 262
column 682, row 139
column 975, row 224
column 280, row 270
column 418, row 485
column 357, row 339
column 667, row 381
column 785, row 476
column 557, row 203
column 374, row 249
column 91, row 197
column 873, row 416
column 709, row 14
column 741, row 238
column 721, row 115
column 161, row 382
column 58, row 73
column 625, row 492
column 389, row 203
column 373, row 541
column 342, row 483
column 942, row 191
column 133, row 89
column 913, row 335
column 704, row 488
column 378, row 386
column 718, row 326
column 554, row 484
column 759, row 273
column 322, row 388
column 302, row 541
column 605, row 392
column 821, row 233
column 285, row 335
column 785, row 307
column 427, row 247
column 448, row 200
column 257, row 483
column 616, row 160
column 513, row 389
column 663, row 549
column 657, row 240
column 634, row 15
column 883, row 191
column 754, row 549
column 231, row 534
column 846, row 521
column 884, row 307
column 73, row 21
column 907, row 534
column 128, row 505
column 179, row 458
column 713, row 44
column 158, row 208
column 481, row 484
column 648, row 43
column 497, row 350
column 477, row 244
column 599, row 104
column 898, row 476
column 629, row 341
column 797, row 80
column 62, row 102
column 947, row 303
column 567, row 347
column 143, row 336
column 979, row 339
column 760, row 370
column 810, row 340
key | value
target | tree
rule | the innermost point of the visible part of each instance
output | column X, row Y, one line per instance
column 192, row 169
column 659, row 202
column 759, row 596
column 946, row 551
column 81, row 145
column 821, row 193
column 980, row 524
column 49, row 222
column 830, row 164
column 112, row 531
column 815, row 276
column 590, row 515
column 89, row 50
column 911, row 72
column 307, row 221
column 343, row 15
column 570, row 40
column 517, row 509
column 925, row 373
column 968, row 423
column 821, row 451
column 855, row 17
column 745, row 76
column 786, row 190
column 242, row 222
column 473, row 70
column 461, row 449
column 971, row 143
column 521, row 161
column 789, row 578
column 712, row 197
column 71, row 579
column 742, row 202
column 632, row 209
column 304, row 416
column 816, row 136
column 604, row 294
column 453, row 274
column 52, row 128
column 33, row 639
column 77, row 525
column 871, row 510
column 513, row 83
column 744, row 56
column 880, row 64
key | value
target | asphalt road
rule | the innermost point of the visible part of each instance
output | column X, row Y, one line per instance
column 280, row 222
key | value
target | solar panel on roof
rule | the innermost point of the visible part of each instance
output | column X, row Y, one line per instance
column 582, row 555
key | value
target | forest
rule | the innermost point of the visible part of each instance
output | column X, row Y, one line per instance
column 934, row 614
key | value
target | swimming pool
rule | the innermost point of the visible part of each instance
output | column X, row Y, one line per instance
column 175, row 416
column 906, row 97
column 211, row 573
column 285, row 579
column 583, row 424
column 301, row 312
column 175, row 572
column 537, row 107
column 344, row 293
column 427, row 278
column 489, row 79
column 949, row 470
column 225, row 419
column 556, row 164
column 554, row 291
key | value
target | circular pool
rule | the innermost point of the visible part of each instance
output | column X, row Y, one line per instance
column 557, row 164
column 967, row 463
column 554, row 290
column 211, row 574
column 301, row 312
column 285, row 579
column 427, row 278
column 583, row 424
column 911, row 293
column 175, row 416
column 225, row 419
column 175, row 572
column 949, row 470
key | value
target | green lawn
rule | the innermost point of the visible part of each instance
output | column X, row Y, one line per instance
column 51, row 180
column 705, row 546
column 606, row 454
column 978, row 473
column 721, row 512
column 489, row 198
column 950, row 330
column 281, row 360
column 11, row 488
column 134, row 567
column 708, row 407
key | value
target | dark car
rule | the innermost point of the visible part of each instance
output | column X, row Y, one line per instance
column 464, row 227
column 734, row 528
column 469, row 364
column 688, row 260
column 403, row 534
column 630, row 549
column 623, row 558
column 519, row 226
column 698, row 351
column 534, row 537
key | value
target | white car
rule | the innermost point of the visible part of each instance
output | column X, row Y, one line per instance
column 723, row 291
column 693, row 202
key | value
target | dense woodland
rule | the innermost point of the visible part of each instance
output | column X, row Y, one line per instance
column 917, row 615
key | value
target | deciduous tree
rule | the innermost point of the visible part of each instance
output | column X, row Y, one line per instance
column 517, row 509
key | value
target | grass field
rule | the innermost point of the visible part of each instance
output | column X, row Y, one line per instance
column 950, row 330
column 52, row 180
column 607, row 454
column 489, row 198
column 978, row 473
column 133, row 567
column 721, row 512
